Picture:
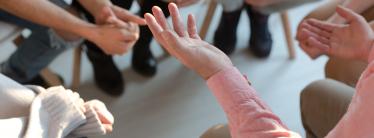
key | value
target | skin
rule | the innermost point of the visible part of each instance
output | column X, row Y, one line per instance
column 185, row 44
column 106, row 118
column 112, row 38
column 355, row 5
column 340, row 40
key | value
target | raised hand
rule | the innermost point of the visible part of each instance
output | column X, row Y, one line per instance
column 186, row 45
column 351, row 41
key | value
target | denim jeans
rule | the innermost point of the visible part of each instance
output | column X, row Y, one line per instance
column 34, row 53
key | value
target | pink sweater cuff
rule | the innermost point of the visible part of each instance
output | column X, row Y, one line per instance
column 228, row 86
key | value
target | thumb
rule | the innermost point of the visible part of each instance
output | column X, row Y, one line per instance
column 111, row 18
column 116, row 22
column 107, row 13
column 349, row 15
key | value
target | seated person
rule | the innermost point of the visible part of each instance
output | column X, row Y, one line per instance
column 260, row 42
column 35, row 112
column 334, row 97
column 107, row 75
column 247, row 114
column 45, row 44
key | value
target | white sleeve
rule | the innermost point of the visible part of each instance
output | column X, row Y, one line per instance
column 15, row 99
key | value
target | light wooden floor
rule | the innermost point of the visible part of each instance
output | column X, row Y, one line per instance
column 176, row 102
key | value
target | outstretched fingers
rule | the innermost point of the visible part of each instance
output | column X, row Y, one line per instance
column 160, row 17
column 192, row 29
column 177, row 21
column 318, row 44
column 154, row 26
column 328, row 27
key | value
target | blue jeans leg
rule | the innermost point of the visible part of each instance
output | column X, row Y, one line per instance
column 32, row 55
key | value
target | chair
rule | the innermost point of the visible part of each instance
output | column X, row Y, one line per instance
column 212, row 5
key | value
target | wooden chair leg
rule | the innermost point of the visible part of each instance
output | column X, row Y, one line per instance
column 288, row 34
column 76, row 68
column 208, row 19
column 51, row 78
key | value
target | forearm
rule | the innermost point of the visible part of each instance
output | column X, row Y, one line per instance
column 95, row 7
column 358, row 6
column 46, row 13
column 244, row 108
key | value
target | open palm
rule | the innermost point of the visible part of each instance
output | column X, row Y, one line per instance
column 186, row 45
column 353, row 40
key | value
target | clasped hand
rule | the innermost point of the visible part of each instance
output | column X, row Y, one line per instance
column 117, row 30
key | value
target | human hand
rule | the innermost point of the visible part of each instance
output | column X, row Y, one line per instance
column 351, row 41
column 117, row 30
column 106, row 118
column 113, row 40
column 118, row 13
column 186, row 45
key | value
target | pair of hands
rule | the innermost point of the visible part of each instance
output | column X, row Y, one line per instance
column 117, row 30
column 353, row 40
column 186, row 45
column 106, row 118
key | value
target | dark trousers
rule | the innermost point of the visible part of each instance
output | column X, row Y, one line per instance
column 142, row 46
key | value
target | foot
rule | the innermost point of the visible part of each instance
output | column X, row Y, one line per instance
column 260, row 43
column 225, row 35
column 107, row 76
column 146, row 66
column 143, row 61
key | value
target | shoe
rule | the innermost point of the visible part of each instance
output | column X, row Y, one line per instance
column 107, row 76
column 225, row 35
column 39, row 81
column 260, row 43
column 143, row 61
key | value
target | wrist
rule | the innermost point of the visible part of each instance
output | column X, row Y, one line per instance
column 207, row 76
column 88, row 31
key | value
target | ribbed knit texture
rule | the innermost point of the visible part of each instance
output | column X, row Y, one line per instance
column 92, row 127
column 54, row 114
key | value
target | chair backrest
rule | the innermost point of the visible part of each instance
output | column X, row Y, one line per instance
column 8, row 32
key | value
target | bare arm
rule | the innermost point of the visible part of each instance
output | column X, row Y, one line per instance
column 57, row 18
column 95, row 7
column 357, row 6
